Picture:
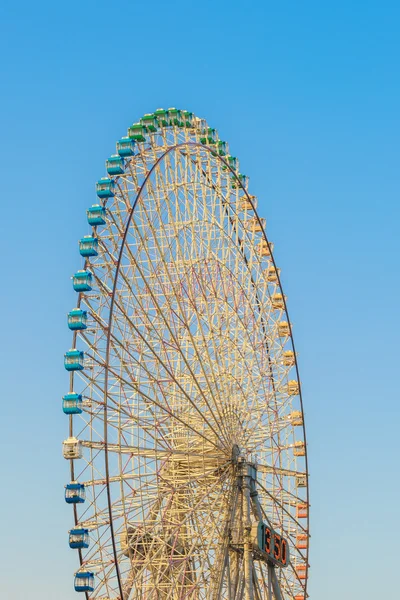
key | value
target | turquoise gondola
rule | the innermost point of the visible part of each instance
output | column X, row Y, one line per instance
column 74, row 360
column 115, row 165
column 75, row 493
column 77, row 319
column 78, row 538
column 126, row 147
column 72, row 404
column 96, row 215
column 105, row 188
column 82, row 281
column 84, row 581
column 88, row 246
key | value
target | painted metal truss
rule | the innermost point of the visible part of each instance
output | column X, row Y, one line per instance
column 190, row 372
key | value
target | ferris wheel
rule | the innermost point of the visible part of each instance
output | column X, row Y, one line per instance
column 186, row 443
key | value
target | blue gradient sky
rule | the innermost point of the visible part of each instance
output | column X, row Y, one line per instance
column 308, row 95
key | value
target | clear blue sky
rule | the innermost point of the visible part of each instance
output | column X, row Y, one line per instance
column 308, row 95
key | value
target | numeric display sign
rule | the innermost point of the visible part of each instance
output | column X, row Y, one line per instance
column 273, row 544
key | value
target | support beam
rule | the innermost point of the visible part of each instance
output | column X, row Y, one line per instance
column 247, row 546
column 240, row 586
column 257, row 591
column 270, row 569
column 275, row 585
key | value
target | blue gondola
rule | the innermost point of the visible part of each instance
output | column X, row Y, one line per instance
column 72, row 404
column 75, row 493
column 96, row 215
column 126, row 147
column 78, row 538
column 74, row 360
column 88, row 246
column 105, row 188
column 115, row 165
column 77, row 319
column 84, row 581
column 82, row 281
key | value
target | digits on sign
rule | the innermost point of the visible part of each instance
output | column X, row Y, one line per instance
column 273, row 544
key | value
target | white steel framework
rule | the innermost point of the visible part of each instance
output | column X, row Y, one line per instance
column 192, row 425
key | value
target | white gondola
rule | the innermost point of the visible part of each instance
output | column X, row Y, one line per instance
column 72, row 448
